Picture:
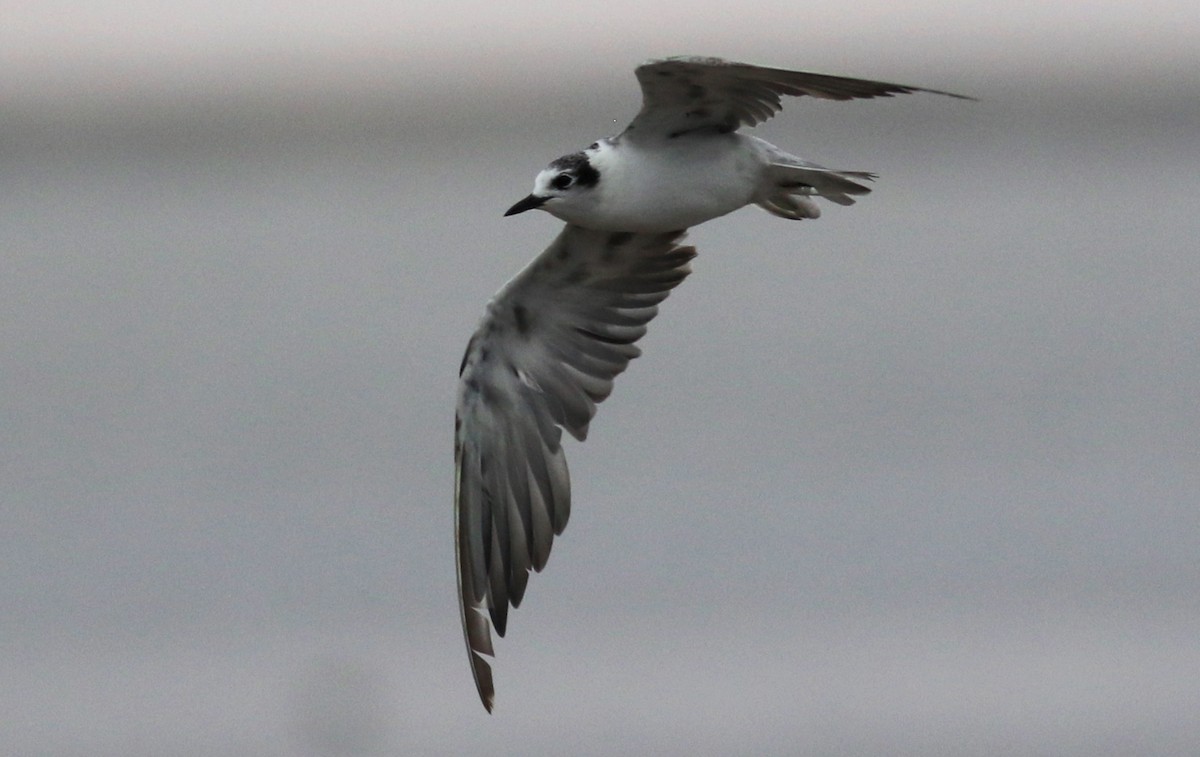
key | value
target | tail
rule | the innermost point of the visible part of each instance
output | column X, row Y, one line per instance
column 795, row 184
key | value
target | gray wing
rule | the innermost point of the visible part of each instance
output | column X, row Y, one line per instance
column 546, row 352
column 684, row 94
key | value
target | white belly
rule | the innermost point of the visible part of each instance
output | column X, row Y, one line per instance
column 676, row 184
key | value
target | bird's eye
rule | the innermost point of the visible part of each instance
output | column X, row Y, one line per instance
column 562, row 181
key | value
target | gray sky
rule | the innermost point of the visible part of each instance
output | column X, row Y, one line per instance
column 917, row 477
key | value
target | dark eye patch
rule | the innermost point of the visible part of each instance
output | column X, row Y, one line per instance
column 581, row 170
column 562, row 181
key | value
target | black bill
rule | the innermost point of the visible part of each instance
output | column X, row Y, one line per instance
column 529, row 203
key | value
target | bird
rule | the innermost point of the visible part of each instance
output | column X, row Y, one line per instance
column 683, row 161
column 554, row 338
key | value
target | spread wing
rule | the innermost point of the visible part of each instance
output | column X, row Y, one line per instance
column 684, row 94
column 546, row 352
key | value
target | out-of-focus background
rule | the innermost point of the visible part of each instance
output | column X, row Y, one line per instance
column 920, row 477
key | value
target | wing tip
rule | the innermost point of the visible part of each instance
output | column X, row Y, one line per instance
column 955, row 95
column 483, row 681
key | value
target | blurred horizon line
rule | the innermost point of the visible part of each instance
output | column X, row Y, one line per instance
column 230, row 90
column 132, row 79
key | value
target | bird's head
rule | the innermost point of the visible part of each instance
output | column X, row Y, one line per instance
column 565, row 188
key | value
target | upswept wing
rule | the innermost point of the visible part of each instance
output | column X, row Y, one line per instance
column 687, row 94
column 546, row 352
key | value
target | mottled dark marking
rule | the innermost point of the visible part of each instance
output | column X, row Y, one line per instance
column 521, row 315
column 491, row 396
column 699, row 113
column 472, row 385
column 618, row 238
column 695, row 92
column 668, row 74
column 563, row 253
column 578, row 164
column 577, row 276
column 484, row 355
